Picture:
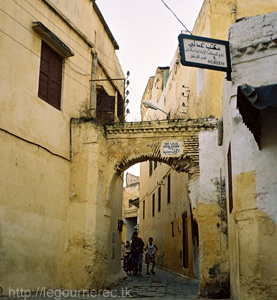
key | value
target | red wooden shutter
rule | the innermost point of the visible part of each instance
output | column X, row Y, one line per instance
column 120, row 108
column 105, row 108
column 50, row 77
column 44, row 72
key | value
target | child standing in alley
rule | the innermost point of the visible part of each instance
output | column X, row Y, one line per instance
column 151, row 250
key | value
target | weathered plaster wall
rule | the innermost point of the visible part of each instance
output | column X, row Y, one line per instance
column 252, row 223
column 32, row 213
column 196, row 93
column 159, row 226
column 84, row 246
column 114, row 263
column 205, row 86
column 93, row 248
column 48, row 212
column 83, row 14
column 181, row 96
column 131, row 191
column 207, row 196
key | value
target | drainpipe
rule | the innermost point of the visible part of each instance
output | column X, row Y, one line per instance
column 234, row 13
column 92, row 105
column 70, row 137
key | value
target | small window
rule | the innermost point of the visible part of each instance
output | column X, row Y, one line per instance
column 50, row 76
column 185, row 241
column 143, row 209
column 153, row 205
column 159, row 198
column 150, row 168
column 155, row 164
column 172, row 229
column 168, row 189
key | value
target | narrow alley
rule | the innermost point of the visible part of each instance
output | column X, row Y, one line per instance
column 163, row 284
column 159, row 149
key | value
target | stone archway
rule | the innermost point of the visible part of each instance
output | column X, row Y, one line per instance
column 99, row 156
column 130, row 143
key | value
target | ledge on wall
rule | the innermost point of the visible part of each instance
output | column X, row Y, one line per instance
column 52, row 39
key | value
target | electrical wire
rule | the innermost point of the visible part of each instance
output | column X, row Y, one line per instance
column 77, row 81
column 68, row 36
column 39, row 57
column 136, row 105
column 39, row 38
column 119, row 85
column 135, row 93
column 68, row 63
column 175, row 16
column 35, row 144
column 60, row 30
column 20, row 43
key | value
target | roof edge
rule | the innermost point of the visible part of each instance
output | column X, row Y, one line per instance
column 106, row 27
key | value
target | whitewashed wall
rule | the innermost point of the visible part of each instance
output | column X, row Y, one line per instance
column 257, row 34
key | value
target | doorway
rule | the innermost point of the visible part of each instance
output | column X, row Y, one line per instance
column 195, row 241
column 185, row 241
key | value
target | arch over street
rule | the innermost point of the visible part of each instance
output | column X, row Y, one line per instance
column 100, row 155
column 131, row 143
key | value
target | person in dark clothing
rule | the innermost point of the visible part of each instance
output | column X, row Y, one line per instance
column 137, row 249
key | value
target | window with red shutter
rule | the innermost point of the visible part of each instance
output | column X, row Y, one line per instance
column 120, row 107
column 50, row 77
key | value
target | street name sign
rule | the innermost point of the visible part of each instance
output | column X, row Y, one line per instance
column 204, row 53
column 172, row 148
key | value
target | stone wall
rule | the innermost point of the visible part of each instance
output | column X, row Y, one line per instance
column 207, row 197
column 252, row 221
column 33, row 214
column 48, row 213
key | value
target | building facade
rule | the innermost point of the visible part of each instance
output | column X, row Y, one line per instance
column 51, row 218
column 191, row 93
column 130, row 206
column 250, row 149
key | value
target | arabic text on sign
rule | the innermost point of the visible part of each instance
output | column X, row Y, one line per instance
column 205, row 53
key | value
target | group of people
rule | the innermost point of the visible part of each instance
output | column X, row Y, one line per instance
column 135, row 249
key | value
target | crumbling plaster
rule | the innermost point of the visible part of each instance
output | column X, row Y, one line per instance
column 252, row 222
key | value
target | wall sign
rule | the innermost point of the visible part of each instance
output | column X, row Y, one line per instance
column 172, row 148
column 204, row 53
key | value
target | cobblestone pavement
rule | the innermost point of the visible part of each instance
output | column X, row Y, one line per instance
column 163, row 284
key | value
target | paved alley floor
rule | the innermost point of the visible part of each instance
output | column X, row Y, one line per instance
column 163, row 284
